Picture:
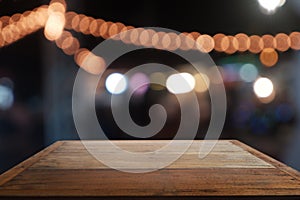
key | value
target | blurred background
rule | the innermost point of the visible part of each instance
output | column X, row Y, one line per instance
column 263, row 89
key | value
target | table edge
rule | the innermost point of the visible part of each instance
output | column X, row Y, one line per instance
column 279, row 165
column 19, row 168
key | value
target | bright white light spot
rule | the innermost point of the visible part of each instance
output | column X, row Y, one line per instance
column 180, row 83
column 270, row 5
column 282, row 2
column 248, row 72
column 263, row 87
column 6, row 97
column 202, row 82
column 116, row 83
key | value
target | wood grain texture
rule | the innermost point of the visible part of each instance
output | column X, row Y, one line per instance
column 231, row 170
column 27, row 163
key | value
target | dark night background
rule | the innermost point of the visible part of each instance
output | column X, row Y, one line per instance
column 41, row 76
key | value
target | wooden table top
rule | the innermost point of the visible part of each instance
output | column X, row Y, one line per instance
column 232, row 169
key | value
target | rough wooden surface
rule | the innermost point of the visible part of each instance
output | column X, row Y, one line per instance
column 231, row 170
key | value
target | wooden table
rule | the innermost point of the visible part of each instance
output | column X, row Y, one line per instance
column 231, row 171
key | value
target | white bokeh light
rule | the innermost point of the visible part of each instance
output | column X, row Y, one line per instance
column 263, row 87
column 180, row 83
column 116, row 83
column 248, row 72
column 271, row 5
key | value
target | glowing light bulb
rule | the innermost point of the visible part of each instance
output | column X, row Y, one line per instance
column 263, row 87
column 180, row 83
column 116, row 83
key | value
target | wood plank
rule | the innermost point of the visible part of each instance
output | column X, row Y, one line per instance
column 221, row 160
column 167, row 182
column 63, row 158
column 269, row 159
column 231, row 170
column 6, row 176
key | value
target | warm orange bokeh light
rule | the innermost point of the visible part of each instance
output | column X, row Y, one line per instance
column 70, row 45
column 4, row 21
column 295, row 40
column 15, row 32
column 115, row 29
column 256, row 44
column 165, row 41
column 7, row 35
column 157, row 40
column 69, row 16
column 89, row 62
column 175, row 41
column 64, row 35
column 57, row 6
column 54, row 26
column 80, row 54
column 146, row 37
column 29, row 22
column 54, row 19
column 233, row 45
column 243, row 42
column 2, row 42
column 22, row 28
column 125, row 34
column 282, row 42
column 95, row 26
column 187, row 41
column 76, row 21
column 134, row 36
column 268, row 57
column 170, row 41
column 20, row 25
column 205, row 43
column 194, row 35
column 41, row 15
column 67, row 42
column 103, row 29
column 16, row 17
column 28, row 12
column 84, row 25
column 221, row 42
column 63, row 2
column 268, row 41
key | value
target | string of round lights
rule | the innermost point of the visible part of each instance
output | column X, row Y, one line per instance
column 55, row 20
column 19, row 25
